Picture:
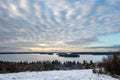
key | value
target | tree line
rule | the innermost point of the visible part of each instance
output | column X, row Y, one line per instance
column 10, row 67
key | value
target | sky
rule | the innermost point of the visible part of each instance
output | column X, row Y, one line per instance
column 59, row 25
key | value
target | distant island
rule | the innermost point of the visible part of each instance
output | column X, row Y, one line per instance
column 68, row 55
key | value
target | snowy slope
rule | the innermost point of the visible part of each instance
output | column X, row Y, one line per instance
column 56, row 75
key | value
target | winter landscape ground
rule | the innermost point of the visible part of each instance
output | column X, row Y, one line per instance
column 56, row 75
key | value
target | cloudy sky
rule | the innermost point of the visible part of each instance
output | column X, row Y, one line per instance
column 59, row 25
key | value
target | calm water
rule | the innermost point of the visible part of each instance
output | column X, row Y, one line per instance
column 45, row 57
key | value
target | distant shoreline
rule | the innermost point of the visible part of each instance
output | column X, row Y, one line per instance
column 81, row 53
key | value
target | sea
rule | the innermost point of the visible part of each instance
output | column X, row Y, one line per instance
column 51, row 56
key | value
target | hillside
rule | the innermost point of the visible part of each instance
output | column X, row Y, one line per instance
column 56, row 75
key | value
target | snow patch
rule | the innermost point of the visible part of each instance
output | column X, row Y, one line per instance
column 56, row 75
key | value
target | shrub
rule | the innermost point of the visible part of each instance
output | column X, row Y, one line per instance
column 112, row 64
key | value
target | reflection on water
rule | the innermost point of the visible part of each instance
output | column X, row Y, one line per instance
column 44, row 57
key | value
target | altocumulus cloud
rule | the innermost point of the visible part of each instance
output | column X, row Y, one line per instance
column 55, row 23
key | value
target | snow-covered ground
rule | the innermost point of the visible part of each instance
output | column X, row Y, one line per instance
column 56, row 75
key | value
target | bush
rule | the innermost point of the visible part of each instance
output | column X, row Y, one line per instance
column 94, row 71
column 112, row 64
